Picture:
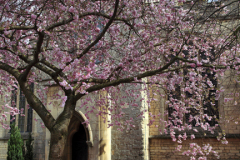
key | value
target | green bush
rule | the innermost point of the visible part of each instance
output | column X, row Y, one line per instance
column 29, row 148
column 15, row 145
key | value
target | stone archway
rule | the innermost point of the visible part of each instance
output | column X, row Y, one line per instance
column 82, row 139
column 79, row 145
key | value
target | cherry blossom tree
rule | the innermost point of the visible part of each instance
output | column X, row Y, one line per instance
column 90, row 46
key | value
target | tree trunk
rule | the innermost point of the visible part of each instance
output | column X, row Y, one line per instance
column 57, row 145
column 59, row 131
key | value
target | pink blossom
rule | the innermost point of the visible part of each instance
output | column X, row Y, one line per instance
column 192, row 136
column 71, row 9
column 33, row 16
column 12, row 119
column 64, row 99
column 184, row 136
column 192, row 65
column 179, row 147
column 42, row 125
column 63, row 7
column 4, row 115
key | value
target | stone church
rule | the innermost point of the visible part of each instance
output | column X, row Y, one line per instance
column 94, row 142
column 143, row 142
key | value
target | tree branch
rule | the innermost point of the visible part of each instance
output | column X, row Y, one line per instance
column 150, row 73
column 37, row 105
column 58, row 24
column 17, row 28
column 33, row 101
column 14, row 72
column 126, row 80
column 45, row 70
column 35, row 56
column 99, row 37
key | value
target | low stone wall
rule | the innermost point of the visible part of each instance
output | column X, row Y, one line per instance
column 165, row 149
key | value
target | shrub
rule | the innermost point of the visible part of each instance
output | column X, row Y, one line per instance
column 29, row 148
column 15, row 144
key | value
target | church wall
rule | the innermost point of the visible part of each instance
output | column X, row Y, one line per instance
column 39, row 143
column 3, row 138
column 161, row 146
column 3, row 149
column 157, row 108
column 130, row 144
column 37, row 132
column 229, row 103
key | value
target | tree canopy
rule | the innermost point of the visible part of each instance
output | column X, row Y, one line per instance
column 89, row 46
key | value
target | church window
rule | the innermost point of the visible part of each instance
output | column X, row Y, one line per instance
column 24, row 119
column 209, row 106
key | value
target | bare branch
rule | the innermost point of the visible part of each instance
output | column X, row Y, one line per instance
column 35, row 56
column 58, row 24
column 14, row 72
column 35, row 103
column 17, row 28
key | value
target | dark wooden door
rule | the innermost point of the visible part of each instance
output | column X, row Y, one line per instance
column 79, row 145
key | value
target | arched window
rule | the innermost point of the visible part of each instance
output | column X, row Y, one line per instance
column 25, row 117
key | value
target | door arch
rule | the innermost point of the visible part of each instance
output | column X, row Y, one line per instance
column 79, row 144
column 78, row 132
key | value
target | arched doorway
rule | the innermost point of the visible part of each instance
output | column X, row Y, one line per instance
column 79, row 139
column 79, row 145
